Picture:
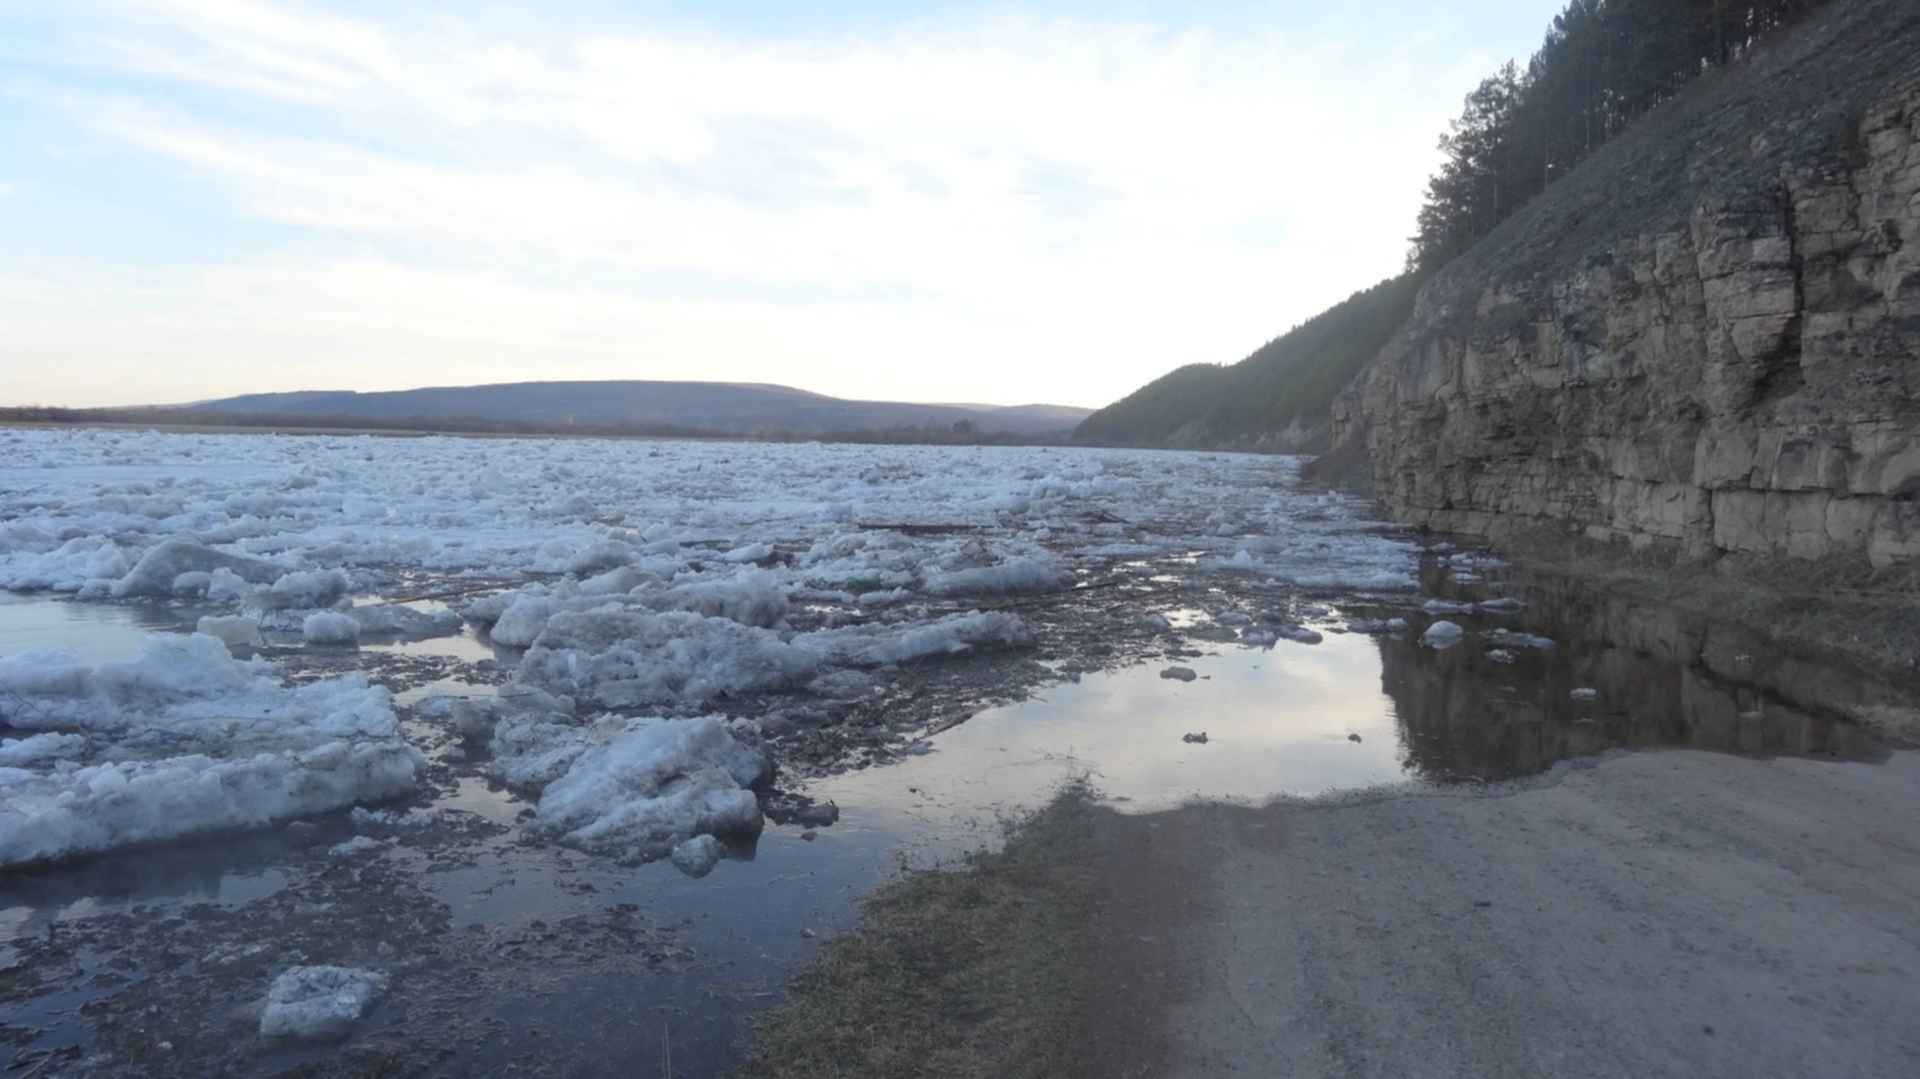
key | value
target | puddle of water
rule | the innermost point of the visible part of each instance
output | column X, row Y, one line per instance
column 96, row 632
column 1277, row 722
column 1285, row 721
column 465, row 645
column 229, row 871
column 474, row 795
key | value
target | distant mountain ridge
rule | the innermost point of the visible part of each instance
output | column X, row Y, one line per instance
column 727, row 408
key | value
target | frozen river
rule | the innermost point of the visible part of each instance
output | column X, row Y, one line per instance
column 474, row 718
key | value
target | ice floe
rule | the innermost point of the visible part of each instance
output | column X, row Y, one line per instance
column 183, row 740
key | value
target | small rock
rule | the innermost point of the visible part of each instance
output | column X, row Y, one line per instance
column 809, row 835
column 1199, row 737
column 1353, row 738
column 818, row 815
column 1183, row 674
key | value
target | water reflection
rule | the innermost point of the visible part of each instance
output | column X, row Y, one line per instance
column 96, row 632
column 1358, row 711
column 1277, row 722
column 230, row 870
column 1663, row 678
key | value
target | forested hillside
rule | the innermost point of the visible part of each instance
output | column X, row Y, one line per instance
column 1602, row 65
column 1276, row 398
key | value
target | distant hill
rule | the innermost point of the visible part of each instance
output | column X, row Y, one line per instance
column 1275, row 399
column 726, row 408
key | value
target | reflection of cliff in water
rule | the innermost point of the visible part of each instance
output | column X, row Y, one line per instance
column 1665, row 678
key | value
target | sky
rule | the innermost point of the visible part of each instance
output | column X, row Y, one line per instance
column 1006, row 204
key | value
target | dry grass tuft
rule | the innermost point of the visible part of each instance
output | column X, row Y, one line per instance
column 977, row 971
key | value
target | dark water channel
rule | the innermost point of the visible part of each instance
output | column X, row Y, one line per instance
column 538, row 967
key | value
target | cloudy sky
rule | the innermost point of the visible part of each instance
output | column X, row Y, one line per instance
column 996, row 203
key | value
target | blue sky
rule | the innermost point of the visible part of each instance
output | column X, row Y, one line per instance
column 980, row 202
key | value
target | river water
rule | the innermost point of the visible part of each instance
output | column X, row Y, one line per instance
column 514, row 953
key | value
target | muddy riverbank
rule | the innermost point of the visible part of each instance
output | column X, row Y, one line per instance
column 1671, row 913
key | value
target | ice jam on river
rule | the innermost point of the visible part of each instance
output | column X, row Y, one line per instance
column 403, row 753
column 655, row 588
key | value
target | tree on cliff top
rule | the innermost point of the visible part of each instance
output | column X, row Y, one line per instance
column 1602, row 64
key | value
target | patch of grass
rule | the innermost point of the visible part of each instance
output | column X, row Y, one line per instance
column 978, row 970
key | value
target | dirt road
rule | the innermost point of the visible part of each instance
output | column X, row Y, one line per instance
column 1653, row 914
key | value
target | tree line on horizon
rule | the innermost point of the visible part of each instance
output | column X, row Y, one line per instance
column 1602, row 65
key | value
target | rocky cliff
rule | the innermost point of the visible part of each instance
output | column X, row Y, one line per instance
column 1706, row 337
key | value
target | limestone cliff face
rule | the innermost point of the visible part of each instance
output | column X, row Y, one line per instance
column 1707, row 337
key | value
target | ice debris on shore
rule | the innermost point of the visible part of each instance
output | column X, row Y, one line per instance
column 235, row 631
column 696, row 857
column 1442, row 634
column 659, row 576
column 318, row 1003
column 329, row 627
column 1505, row 638
column 183, row 740
column 632, row 788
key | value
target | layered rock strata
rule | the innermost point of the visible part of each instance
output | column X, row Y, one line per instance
column 1708, row 337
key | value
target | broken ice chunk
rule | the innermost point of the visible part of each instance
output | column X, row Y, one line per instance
column 156, row 571
column 330, row 627
column 1510, row 639
column 235, row 631
column 696, row 857
column 311, row 1003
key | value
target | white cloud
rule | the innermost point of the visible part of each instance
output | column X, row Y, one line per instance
column 1004, row 209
